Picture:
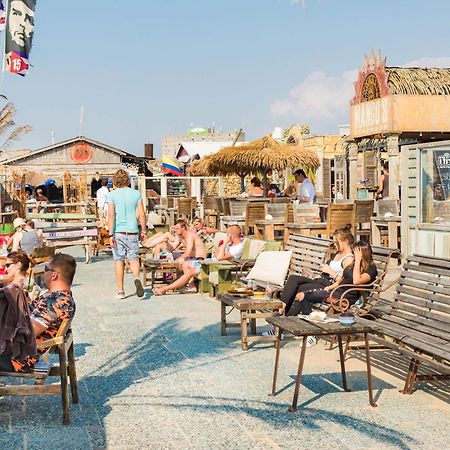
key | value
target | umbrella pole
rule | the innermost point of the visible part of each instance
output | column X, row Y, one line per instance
column 265, row 184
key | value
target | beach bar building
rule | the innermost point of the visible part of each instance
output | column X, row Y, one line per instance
column 391, row 107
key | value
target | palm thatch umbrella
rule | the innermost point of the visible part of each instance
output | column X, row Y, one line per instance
column 261, row 156
column 201, row 167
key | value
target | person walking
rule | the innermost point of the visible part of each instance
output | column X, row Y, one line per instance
column 102, row 196
column 383, row 182
column 125, row 208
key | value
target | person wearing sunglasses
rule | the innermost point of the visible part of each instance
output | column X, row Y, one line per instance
column 48, row 310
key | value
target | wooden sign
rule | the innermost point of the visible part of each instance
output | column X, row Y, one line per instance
column 70, row 234
column 81, row 153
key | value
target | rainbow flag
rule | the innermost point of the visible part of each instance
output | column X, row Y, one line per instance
column 170, row 166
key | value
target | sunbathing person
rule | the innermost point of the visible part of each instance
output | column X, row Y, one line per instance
column 201, row 229
column 332, row 270
column 160, row 242
column 232, row 246
column 362, row 271
column 189, row 261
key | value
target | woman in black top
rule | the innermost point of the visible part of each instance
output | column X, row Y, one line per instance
column 362, row 271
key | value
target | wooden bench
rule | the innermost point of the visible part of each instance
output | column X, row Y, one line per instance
column 417, row 322
column 308, row 255
column 68, row 229
column 61, row 344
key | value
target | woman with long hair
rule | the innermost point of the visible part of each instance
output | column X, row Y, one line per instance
column 361, row 271
column 339, row 257
column 17, row 265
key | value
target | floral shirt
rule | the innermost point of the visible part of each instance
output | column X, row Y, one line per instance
column 49, row 309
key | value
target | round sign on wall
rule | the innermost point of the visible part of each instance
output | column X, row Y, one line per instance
column 81, row 153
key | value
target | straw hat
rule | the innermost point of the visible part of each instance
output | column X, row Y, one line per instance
column 18, row 222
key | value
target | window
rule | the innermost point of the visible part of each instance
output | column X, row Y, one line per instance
column 435, row 186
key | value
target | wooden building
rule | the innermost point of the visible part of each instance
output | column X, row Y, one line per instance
column 392, row 107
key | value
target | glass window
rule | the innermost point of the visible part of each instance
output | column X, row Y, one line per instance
column 435, row 182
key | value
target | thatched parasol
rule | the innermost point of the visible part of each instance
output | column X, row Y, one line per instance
column 201, row 167
column 261, row 155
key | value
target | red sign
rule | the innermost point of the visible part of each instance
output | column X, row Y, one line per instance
column 81, row 153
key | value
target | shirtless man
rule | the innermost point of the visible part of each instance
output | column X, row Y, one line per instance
column 163, row 241
column 194, row 251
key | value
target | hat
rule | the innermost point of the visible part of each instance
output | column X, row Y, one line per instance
column 18, row 222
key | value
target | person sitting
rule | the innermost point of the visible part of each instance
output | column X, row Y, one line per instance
column 339, row 258
column 232, row 246
column 47, row 311
column 40, row 197
column 189, row 261
column 25, row 237
column 160, row 242
column 255, row 190
column 362, row 271
column 206, row 233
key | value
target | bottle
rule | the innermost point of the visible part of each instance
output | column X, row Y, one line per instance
column 268, row 292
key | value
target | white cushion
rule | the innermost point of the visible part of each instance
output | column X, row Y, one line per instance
column 271, row 267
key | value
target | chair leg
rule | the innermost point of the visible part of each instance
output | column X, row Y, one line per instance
column 73, row 375
column 64, row 385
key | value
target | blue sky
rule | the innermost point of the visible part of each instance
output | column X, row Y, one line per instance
column 144, row 69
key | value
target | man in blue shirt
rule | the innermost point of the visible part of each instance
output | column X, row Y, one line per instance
column 125, row 208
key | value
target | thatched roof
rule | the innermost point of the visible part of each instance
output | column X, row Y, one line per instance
column 418, row 81
column 258, row 156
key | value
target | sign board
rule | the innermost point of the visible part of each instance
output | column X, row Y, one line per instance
column 373, row 117
column 70, row 234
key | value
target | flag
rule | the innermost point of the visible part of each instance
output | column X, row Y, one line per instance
column 2, row 16
column 19, row 35
column 170, row 166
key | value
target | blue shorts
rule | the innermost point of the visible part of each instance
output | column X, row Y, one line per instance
column 127, row 247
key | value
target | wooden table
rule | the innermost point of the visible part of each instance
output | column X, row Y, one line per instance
column 392, row 224
column 265, row 229
column 158, row 265
column 303, row 328
column 251, row 310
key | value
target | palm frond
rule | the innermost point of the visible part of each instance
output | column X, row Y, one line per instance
column 15, row 135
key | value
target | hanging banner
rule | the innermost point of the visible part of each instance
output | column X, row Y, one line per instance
column 2, row 16
column 19, row 35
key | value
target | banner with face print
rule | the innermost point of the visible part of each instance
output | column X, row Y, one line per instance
column 19, row 35
column 2, row 16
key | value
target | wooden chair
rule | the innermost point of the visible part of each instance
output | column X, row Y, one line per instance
column 210, row 211
column 363, row 217
column 186, row 207
column 237, row 208
column 387, row 206
column 61, row 344
column 289, row 217
column 276, row 210
column 271, row 229
column 305, row 213
column 338, row 217
column 255, row 211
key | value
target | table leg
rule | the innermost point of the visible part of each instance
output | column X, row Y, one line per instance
column 286, row 236
column 269, row 233
column 253, row 324
column 223, row 319
column 376, row 235
column 392, row 235
column 342, row 360
column 369, row 371
column 301, row 361
column 244, row 342
column 277, row 360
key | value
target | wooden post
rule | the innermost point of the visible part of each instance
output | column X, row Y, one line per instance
column 394, row 165
column 352, row 163
column 141, row 187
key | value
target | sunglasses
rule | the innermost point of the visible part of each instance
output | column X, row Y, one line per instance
column 49, row 269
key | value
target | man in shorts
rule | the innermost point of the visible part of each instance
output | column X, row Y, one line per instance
column 189, row 261
column 125, row 208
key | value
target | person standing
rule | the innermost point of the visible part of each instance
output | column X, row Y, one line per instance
column 383, row 182
column 307, row 194
column 125, row 208
column 102, row 196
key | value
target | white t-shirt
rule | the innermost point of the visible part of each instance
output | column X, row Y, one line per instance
column 102, row 195
column 235, row 250
column 308, row 190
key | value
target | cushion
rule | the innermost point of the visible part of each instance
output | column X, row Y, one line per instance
column 252, row 248
column 271, row 267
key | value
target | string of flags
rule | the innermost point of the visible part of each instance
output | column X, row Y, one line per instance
column 17, row 20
